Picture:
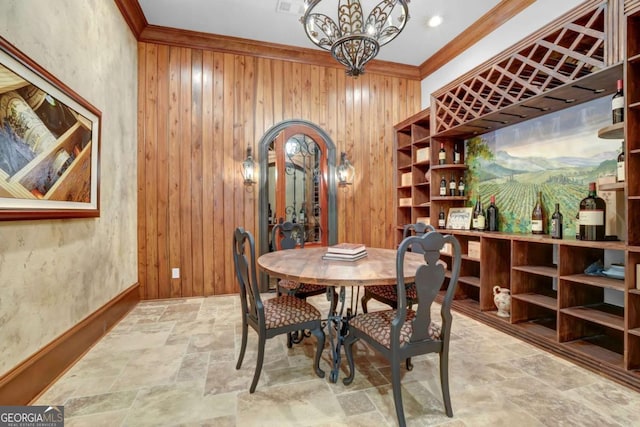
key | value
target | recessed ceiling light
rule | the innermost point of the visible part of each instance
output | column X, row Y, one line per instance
column 434, row 21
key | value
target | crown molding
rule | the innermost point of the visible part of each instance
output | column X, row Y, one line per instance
column 240, row 46
column 486, row 24
column 133, row 15
column 498, row 15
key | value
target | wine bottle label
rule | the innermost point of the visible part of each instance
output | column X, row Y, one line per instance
column 443, row 191
column 442, row 155
column 555, row 227
column 481, row 222
column 592, row 217
column 620, row 171
column 452, row 185
column 536, row 225
column 617, row 103
column 461, row 187
column 441, row 222
column 474, row 223
column 456, row 158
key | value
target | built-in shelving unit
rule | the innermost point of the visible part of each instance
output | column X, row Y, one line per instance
column 632, row 163
column 591, row 320
column 413, row 165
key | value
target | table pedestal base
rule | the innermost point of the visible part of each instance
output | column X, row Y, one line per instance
column 338, row 326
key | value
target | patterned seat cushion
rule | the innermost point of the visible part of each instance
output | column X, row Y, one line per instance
column 292, row 285
column 388, row 292
column 378, row 326
column 287, row 310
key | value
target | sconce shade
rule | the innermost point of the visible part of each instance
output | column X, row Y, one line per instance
column 248, row 168
column 345, row 171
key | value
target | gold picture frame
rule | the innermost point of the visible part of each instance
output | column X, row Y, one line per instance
column 49, row 144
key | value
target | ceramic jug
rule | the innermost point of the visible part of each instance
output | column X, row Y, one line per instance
column 502, row 299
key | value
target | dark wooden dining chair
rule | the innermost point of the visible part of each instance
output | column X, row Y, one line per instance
column 271, row 317
column 399, row 334
column 288, row 235
column 387, row 294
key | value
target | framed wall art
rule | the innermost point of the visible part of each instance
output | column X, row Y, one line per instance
column 49, row 144
column 459, row 218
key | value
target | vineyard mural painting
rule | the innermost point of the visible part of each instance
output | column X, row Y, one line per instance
column 557, row 154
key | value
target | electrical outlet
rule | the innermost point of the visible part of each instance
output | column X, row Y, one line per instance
column 175, row 273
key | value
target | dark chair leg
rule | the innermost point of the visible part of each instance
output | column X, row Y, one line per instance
column 444, row 382
column 409, row 364
column 289, row 340
column 334, row 303
column 319, row 333
column 365, row 298
column 243, row 346
column 256, row 375
column 397, row 393
column 348, row 350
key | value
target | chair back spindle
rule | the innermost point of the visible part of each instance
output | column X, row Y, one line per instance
column 245, row 272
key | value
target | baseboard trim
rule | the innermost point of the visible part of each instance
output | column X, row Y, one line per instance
column 30, row 378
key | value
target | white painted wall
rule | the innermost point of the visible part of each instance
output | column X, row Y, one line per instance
column 520, row 26
column 54, row 273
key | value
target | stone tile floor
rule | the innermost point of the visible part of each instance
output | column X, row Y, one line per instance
column 172, row 363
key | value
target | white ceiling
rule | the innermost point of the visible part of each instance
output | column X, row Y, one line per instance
column 261, row 20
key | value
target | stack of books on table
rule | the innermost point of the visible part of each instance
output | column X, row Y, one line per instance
column 345, row 252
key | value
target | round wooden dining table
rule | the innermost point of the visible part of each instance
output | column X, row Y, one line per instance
column 306, row 265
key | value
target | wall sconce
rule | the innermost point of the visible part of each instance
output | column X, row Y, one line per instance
column 248, row 168
column 345, row 171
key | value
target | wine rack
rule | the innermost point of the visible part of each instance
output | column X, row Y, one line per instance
column 591, row 320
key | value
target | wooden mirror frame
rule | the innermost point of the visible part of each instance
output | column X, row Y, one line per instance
column 263, row 197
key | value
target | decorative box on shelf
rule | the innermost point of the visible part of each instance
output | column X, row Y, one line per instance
column 424, row 220
column 474, row 250
column 422, row 155
column 405, row 179
column 404, row 201
column 447, row 249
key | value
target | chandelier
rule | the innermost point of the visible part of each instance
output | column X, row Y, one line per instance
column 354, row 41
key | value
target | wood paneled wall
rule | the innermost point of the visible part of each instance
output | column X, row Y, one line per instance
column 198, row 112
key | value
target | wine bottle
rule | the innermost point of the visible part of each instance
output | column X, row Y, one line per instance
column 492, row 215
column 452, row 186
column 617, row 104
column 456, row 154
column 479, row 220
column 593, row 211
column 537, row 216
column 441, row 218
column 443, row 186
column 461, row 186
column 556, row 223
column 620, row 167
column 442, row 155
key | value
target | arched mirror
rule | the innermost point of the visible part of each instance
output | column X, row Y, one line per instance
column 297, row 182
